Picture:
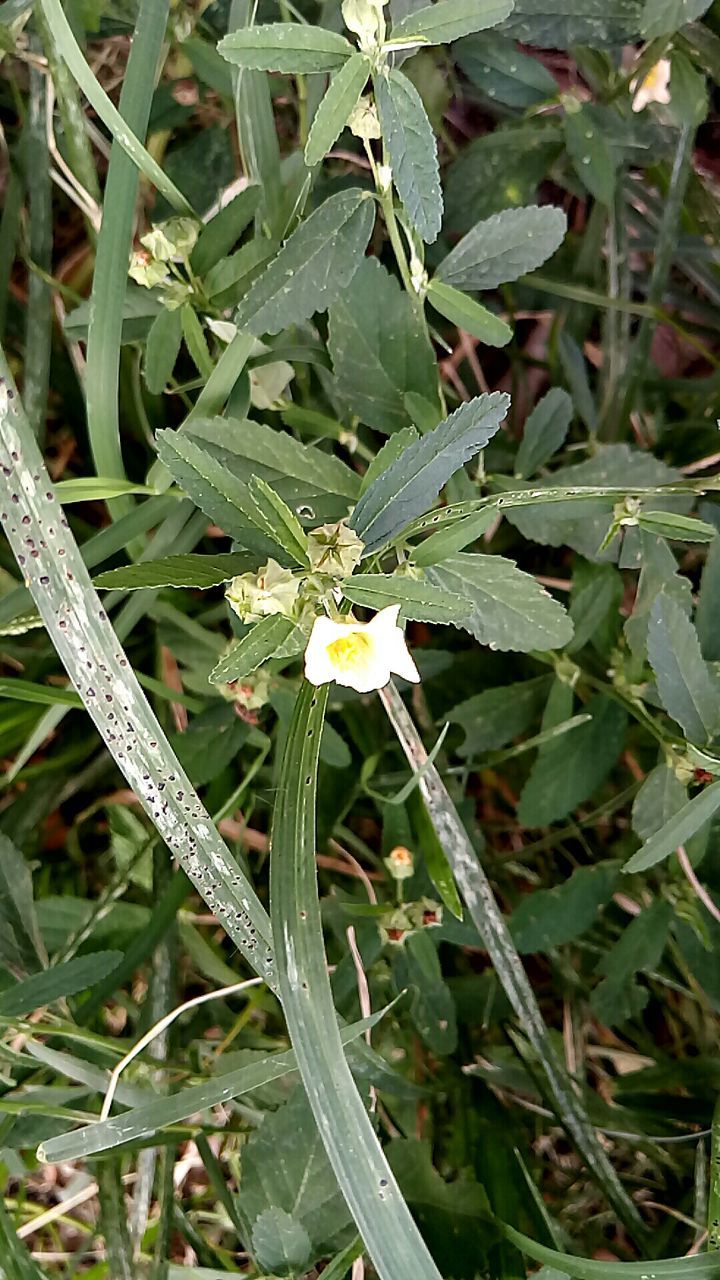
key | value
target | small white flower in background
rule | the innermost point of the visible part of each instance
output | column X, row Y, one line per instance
column 654, row 87
column 361, row 656
column 259, row 595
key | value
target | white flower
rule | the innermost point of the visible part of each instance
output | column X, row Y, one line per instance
column 361, row 656
column 654, row 87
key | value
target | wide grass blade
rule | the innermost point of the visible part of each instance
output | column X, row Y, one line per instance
column 362, row 1171
column 490, row 923
column 80, row 630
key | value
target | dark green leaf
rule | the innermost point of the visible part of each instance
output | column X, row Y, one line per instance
column 286, row 46
column 379, row 349
column 660, row 797
column 468, row 315
column 619, row 996
column 57, row 982
column 21, row 945
column 197, row 571
column 280, row 523
column 590, row 154
column 508, row 609
column 446, row 542
column 223, row 231
column 677, row 830
column 664, row 524
column 498, row 68
column 665, row 17
column 163, row 346
column 421, row 601
column 268, row 451
column 497, row 716
column 336, row 107
column 570, row 769
column 411, row 484
column 449, row 20
column 314, row 266
column 559, row 24
column 548, row 918
column 412, row 150
column 686, row 689
column 544, row 433
column 280, row 1243
column 504, row 247
column 262, row 643
column 433, row 1009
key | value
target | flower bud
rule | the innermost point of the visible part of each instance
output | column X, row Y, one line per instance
column 271, row 590
column 175, row 238
column 334, row 549
column 146, row 271
column 364, row 121
column 400, row 863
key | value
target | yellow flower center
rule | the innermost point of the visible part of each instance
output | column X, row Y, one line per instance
column 350, row 652
column 654, row 78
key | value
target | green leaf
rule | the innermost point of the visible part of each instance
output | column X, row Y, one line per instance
column 502, row 169
column 665, row 524
column 659, row 573
column 707, row 617
column 559, row 24
column 284, row 1167
column 421, row 601
column 434, row 856
column 201, row 572
column 314, row 266
column 357, row 1159
column 548, row 918
column 257, row 647
column 380, row 350
column 96, row 489
column 336, row 107
column 286, row 46
column 698, row 1267
column 665, row 17
column 660, row 797
column 281, row 524
column 195, row 341
column 686, row 689
column 280, row 1243
column 455, row 1216
column 44, row 694
column 157, row 1113
column 412, row 150
column 449, row 20
column 497, row 67
column 446, row 542
column 390, row 452
column 228, row 280
column 677, row 830
column 17, row 1262
column 504, row 247
column 223, row 231
column 219, row 493
column 641, row 945
column 277, row 452
column 410, row 485
column 544, row 433
column 21, row 945
column 590, row 153
column 597, row 596
column 570, row 769
column 416, row 966
column 497, row 716
column 576, row 372
column 57, row 982
column 508, row 608
column 163, row 347
column 468, row 314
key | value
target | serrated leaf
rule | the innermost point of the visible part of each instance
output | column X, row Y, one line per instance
column 276, row 451
column 500, row 170
column 660, row 797
column 508, row 608
column 590, row 153
column 449, row 20
column 57, row 982
column 314, row 266
column 665, row 17
column 411, row 484
column 259, row 645
column 659, row 573
column 446, row 542
column 219, row 493
column 286, row 46
column 280, row 1243
column 666, row 524
column 161, row 352
column 336, row 107
column 570, row 769
column 468, row 314
column 548, row 918
column 496, row 716
column 281, row 524
column 223, row 231
column 390, row 452
column 619, row 996
column 597, row 595
column 420, row 601
column 21, row 946
column 412, row 149
column 504, row 247
column 544, row 433
column 380, row 350
column 678, row 830
column 503, row 73
column 559, row 24
column 416, row 966
column 201, row 572
column 684, row 684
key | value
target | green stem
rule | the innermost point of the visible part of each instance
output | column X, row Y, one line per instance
column 664, row 252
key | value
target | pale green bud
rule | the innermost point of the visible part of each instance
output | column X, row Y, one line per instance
column 364, row 122
column 175, row 238
column 365, row 19
column 334, row 549
column 146, row 271
column 271, row 590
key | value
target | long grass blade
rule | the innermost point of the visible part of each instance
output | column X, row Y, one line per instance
column 38, row 316
column 362, row 1171
column 490, row 923
column 88, row 647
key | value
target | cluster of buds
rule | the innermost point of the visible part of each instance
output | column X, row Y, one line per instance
column 163, row 246
column 396, row 926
